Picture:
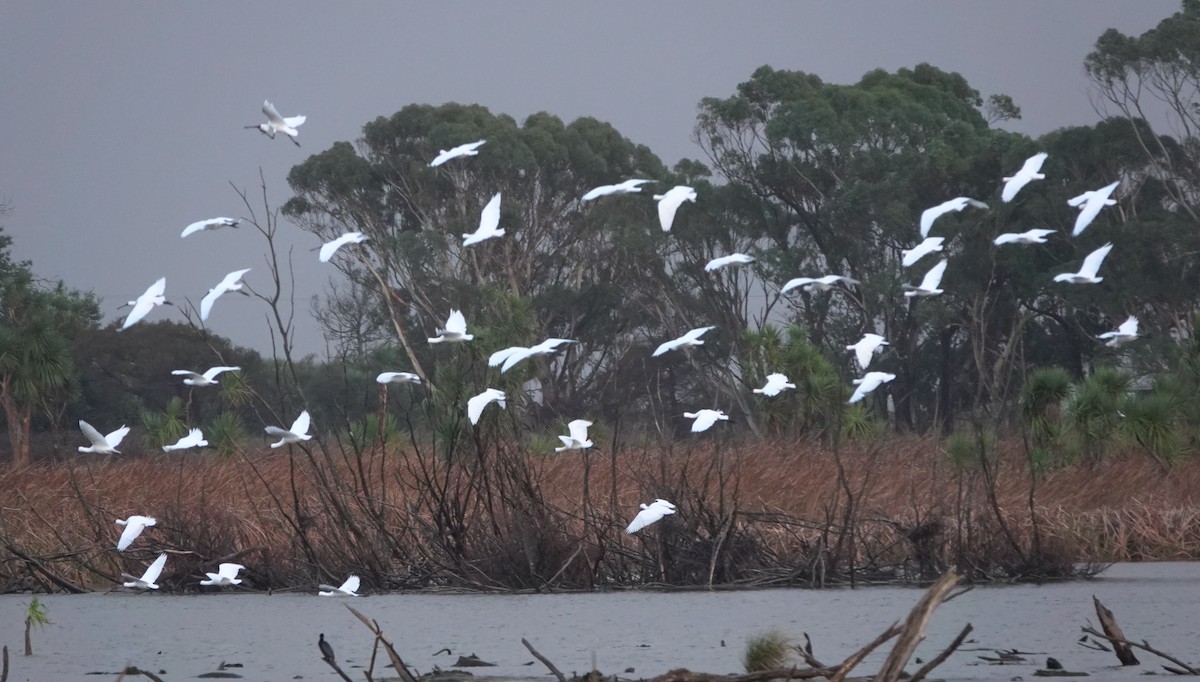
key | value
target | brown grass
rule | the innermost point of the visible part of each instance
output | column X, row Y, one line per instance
column 757, row 514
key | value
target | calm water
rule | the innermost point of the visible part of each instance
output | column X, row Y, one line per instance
column 275, row 636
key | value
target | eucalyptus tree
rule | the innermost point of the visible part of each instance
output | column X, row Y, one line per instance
column 568, row 269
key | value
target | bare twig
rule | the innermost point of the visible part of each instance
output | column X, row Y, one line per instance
column 941, row 658
column 4, row 664
column 373, row 626
column 854, row 659
column 545, row 661
column 914, row 627
column 333, row 664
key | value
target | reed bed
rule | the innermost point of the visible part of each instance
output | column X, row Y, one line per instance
column 503, row 519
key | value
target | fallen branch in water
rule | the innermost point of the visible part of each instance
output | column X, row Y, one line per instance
column 545, row 661
column 373, row 626
column 1183, row 669
column 4, row 667
column 914, row 628
column 941, row 658
column 1112, row 632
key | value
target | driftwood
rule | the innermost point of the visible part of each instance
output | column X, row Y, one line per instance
column 4, row 666
column 37, row 566
column 373, row 626
column 1182, row 669
column 1112, row 632
column 908, row 636
column 545, row 661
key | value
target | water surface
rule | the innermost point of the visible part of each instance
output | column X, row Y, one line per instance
column 275, row 636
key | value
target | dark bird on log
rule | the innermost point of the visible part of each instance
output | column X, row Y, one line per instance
column 326, row 649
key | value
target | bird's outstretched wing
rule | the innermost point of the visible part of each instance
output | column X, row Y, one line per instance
column 92, row 434
column 300, row 426
column 155, row 569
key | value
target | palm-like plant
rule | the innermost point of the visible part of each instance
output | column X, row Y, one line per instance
column 1041, row 405
column 35, row 617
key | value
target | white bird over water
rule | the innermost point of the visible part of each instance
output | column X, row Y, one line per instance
column 704, row 419
column 1128, row 331
column 731, row 259
column 688, row 340
column 916, row 253
column 209, row 378
column 929, row 285
column 578, row 440
column 1089, row 205
column 1034, row 236
column 149, row 579
column 816, row 283
column 468, row 149
column 1087, row 271
column 455, row 331
column 348, row 588
column 231, row 282
column 146, row 302
column 194, row 439
column 956, row 204
column 627, row 187
column 134, row 525
column 509, row 357
column 869, row 382
column 776, row 383
column 297, row 433
column 398, row 378
column 210, row 224
column 476, row 404
column 1029, row 172
column 329, row 248
column 225, row 576
column 489, row 221
column 649, row 514
column 864, row 350
column 669, row 203
column 102, row 445
column 276, row 123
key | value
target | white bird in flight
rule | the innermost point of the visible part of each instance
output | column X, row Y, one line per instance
column 1029, row 172
column 649, row 514
column 194, row 439
column 277, row 123
column 455, row 331
column 956, row 204
column 509, row 357
column 209, row 378
column 627, row 187
column 916, row 253
column 348, row 588
column 578, row 440
column 1034, row 236
column 688, row 340
column 231, row 282
column 669, row 203
column 1089, row 205
column 329, row 248
column 134, row 525
column 776, row 383
column 210, row 224
column 297, row 433
column 1128, row 331
column 929, row 285
column 398, row 378
column 731, row 259
column 468, row 149
column 147, row 302
column 149, row 579
column 225, row 576
column 102, row 445
column 489, row 221
column 476, row 404
column 864, row 350
column 869, row 382
column 1087, row 271
column 816, row 283
column 705, row 418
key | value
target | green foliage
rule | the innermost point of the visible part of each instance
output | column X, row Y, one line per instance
column 365, row 432
column 962, row 448
column 766, row 651
column 166, row 426
column 1095, row 409
column 35, row 614
column 1046, row 389
column 226, row 433
column 1152, row 422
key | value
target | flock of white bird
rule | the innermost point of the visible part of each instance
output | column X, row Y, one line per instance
column 455, row 329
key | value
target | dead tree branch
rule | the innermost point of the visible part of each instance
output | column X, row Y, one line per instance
column 545, row 661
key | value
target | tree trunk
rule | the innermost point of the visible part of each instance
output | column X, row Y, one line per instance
column 19, row 419
column 28, row 644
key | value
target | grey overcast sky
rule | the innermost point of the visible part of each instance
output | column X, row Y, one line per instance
column 122, row 121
